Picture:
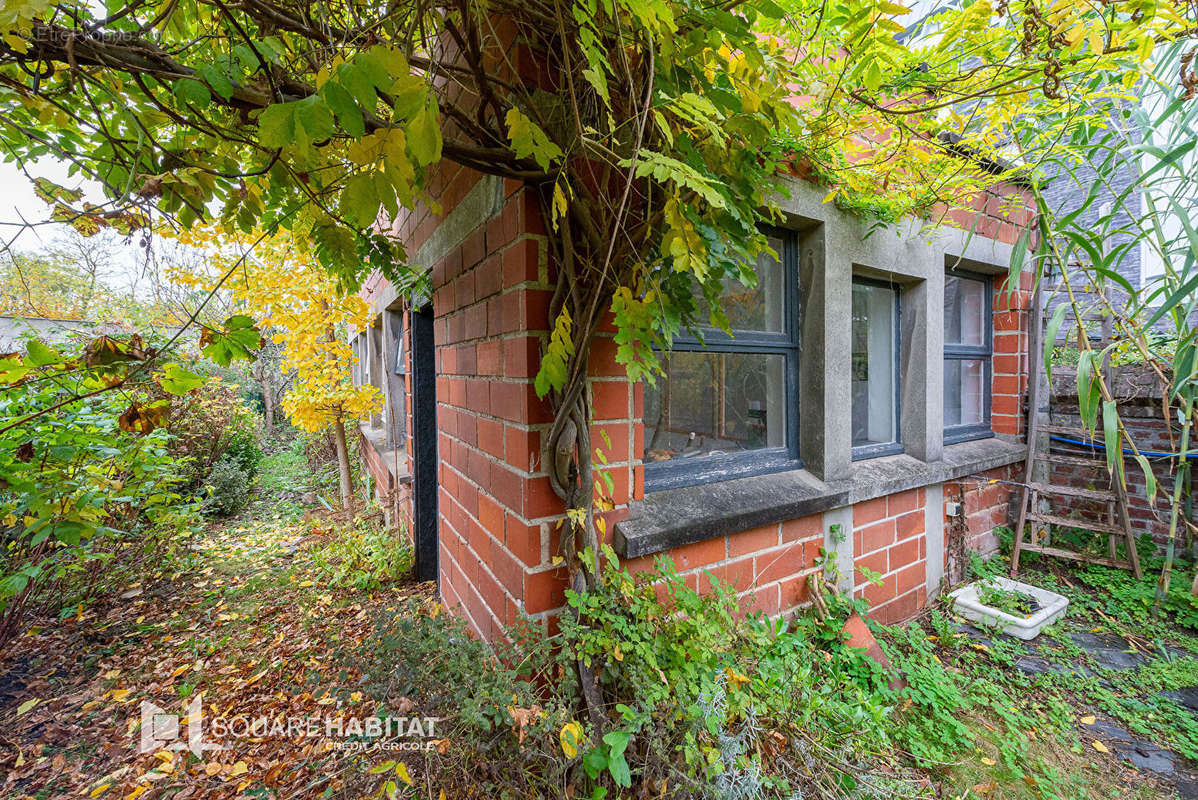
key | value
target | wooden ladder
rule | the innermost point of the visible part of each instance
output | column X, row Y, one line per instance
column 1116, row 526
column 1118, row 521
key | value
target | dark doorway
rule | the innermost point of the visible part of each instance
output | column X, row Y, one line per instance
column 424, row 431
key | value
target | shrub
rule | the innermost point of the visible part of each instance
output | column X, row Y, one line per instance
column 211, row 423
column 227, row 488
column 84, row 505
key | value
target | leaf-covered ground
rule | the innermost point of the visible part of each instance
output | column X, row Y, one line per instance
column 256, row 622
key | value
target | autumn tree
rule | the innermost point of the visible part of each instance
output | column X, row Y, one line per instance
column 656, row 134
column 306, row 316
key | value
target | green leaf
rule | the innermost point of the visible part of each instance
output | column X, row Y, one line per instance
column 276, row 125
column 349, row 115
column 1149, row 478
column 1050, row 336
column 13, row 585
column 424, row 137
column 177, row 379
column 1110, row 429
column 529, row 141
column 40, row 355
column 360, row 201
column 191, row 91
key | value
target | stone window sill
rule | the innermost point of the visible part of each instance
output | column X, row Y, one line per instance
column 377, row 439
column 677, row 517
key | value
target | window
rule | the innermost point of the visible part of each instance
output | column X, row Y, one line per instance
column 967, row 351
column 727, row 406
column 875, row 369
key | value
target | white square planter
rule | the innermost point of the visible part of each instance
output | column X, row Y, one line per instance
column 1052, row 607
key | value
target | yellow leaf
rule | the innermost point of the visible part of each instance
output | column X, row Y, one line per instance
column 136, row 793
column 570, row 736
column 119, row 694
column 239, row 768
column 212, row 767
column 1088, row 719
column 989, row 762
column 355, row 697
column 401, row 772
column 1100, row 747
column 27, row 705
column 99, row 790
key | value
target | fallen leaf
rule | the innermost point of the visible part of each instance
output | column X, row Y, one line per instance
column 1100, row 747
column 239, row 768
column 570, row 736
column 983, row 788
column 27, row 705
column 989, row 762
column 401, row 772
column 1088, row 719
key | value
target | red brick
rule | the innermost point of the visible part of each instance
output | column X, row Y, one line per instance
column 751, row 541
column 909, row 525
column 803, row 528
column 544, row 590
column 521, row 357
column 609, row 399
column 904, row 501
column 523, row 448
column 523, row 541
column 699, row 554
column 877, row 595
column 876, row 536
column 541, row 500
column 490, row 436
column 877, row 562
column 911, row 577
column 737, row 574
column 766, row 600
column 490, row 515
column 904, row 553
column 869, row 511
column 521, row 263
column 794, row 591
column 782, row 563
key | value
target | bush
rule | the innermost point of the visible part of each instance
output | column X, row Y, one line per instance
column 211, row 423
column 84, row 505
column 694, row 700
column 227, row 488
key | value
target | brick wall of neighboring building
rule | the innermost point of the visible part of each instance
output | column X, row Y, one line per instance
column 1141, row 414
column 889, row 540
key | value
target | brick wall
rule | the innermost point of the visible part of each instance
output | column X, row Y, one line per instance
column 889, row 539
column 1142, row 417
column 499, row 518
column 1012, row 318
column 767, row 567
column 989, row 502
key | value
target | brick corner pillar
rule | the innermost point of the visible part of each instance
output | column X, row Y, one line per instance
column 498, row 511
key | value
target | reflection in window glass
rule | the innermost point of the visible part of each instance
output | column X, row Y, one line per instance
column 713, row 403
column 756, row 309
column 965, row 311
column 964, row 392
column 875, row 355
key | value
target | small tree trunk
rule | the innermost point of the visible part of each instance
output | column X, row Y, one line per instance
column 268, row 402
column 347, row 480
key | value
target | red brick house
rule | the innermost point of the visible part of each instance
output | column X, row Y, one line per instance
column 871, row 380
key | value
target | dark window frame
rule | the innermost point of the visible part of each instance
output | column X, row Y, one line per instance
column 876, row 450
column 984, row 352
column 673, row 474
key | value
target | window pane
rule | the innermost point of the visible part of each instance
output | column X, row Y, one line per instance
column 756, row 309
column 874, row 360
column 713, row 403
column 965, row 311
column 964, row 392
